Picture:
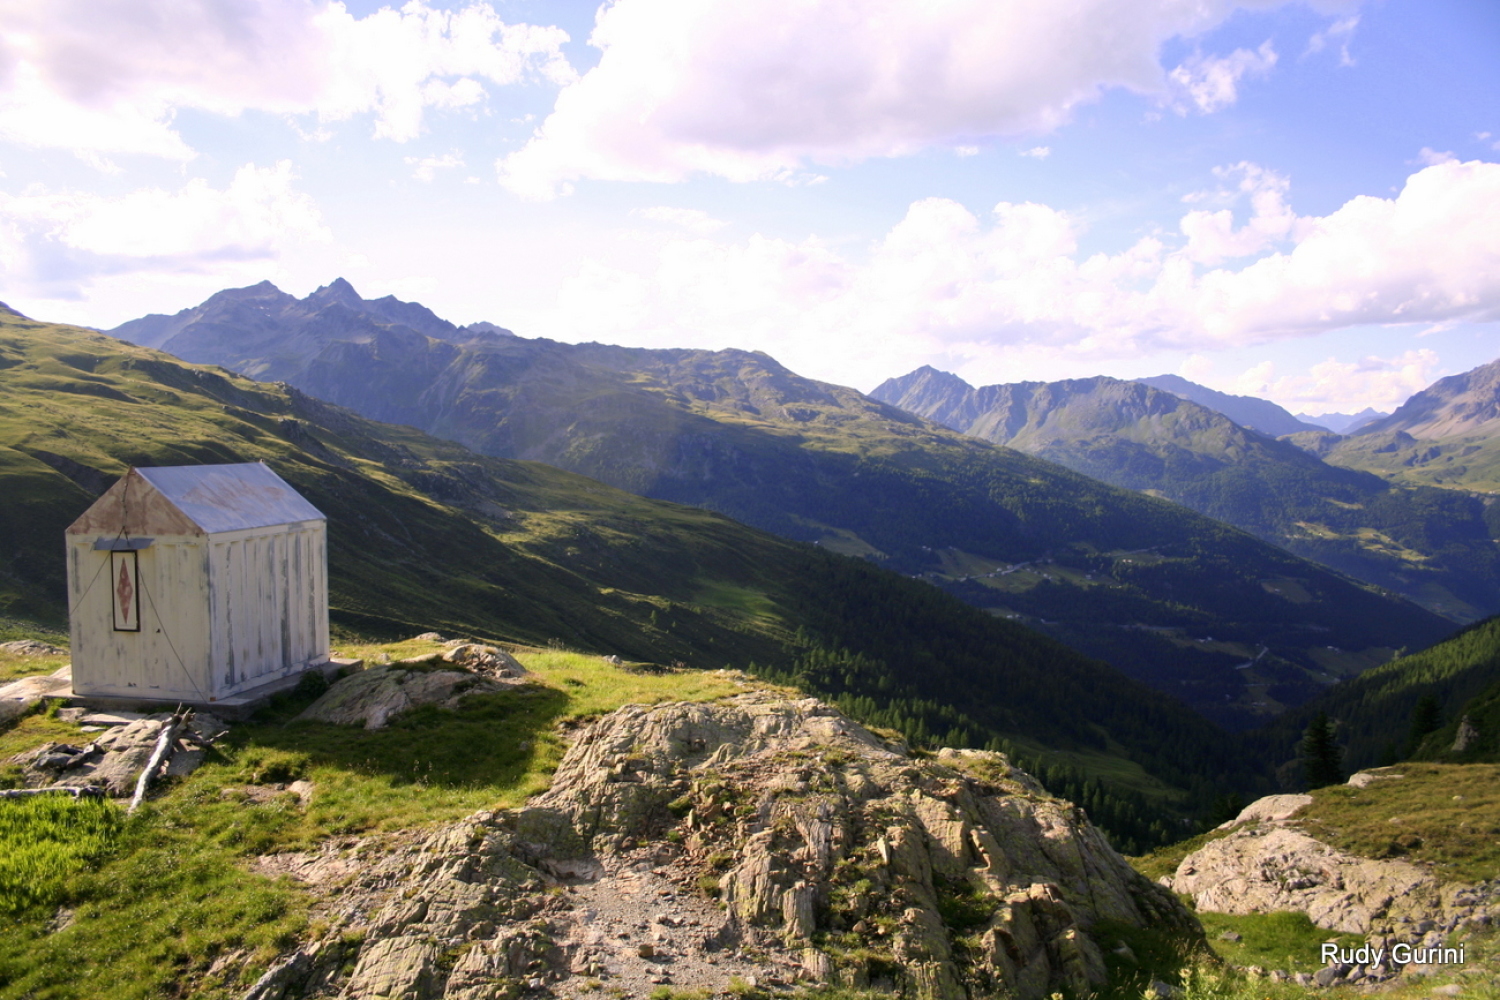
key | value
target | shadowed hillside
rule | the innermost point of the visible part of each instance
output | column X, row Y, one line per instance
column 426, row 534
column 1233, row 626
column 1435, row 547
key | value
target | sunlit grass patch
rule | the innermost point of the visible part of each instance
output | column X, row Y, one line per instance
column 151, row 922
column 1284, row 940
column 177, row 892
column 14, row 666
column 1444, row 814
column 46, row 838
column 30, row 731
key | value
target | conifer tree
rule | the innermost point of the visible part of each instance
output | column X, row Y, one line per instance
column 1425, row 718
column 1322, row 758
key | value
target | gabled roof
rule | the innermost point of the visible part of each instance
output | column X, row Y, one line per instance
column 210, row 498
column 230, row 497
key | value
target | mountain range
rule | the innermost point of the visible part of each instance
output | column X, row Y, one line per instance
column 1249, row 412
column 1235, row 627
column 425, row 534
column 1342, row 423
column 1435, row 546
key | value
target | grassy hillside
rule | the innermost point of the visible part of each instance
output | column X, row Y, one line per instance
column 1373, row 713
column 424, row 535
column 1175, row 599
column 1461, row 462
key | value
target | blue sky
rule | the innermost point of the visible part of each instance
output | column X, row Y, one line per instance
column 1295, row 200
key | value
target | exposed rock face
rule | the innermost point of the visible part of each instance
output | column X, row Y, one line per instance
column 1259, row 869
column 1265, row 864
column 835, row 856
column 372, row 697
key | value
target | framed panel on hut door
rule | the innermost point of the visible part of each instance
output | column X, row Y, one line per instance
column 125, row 590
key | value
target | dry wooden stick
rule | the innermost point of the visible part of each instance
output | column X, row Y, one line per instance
column 164, row 743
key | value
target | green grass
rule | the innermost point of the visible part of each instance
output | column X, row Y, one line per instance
column 1284, row 940
column 40, row 725
column 150, row 919
column 1447, row 815
column 14, row 666
column 46, row 838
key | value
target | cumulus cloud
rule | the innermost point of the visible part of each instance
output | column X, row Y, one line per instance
column 425, row 168
column 758, row 91
column 54, row 244
column 1211, row 236
column 1211, row 83
column 944, row 282
column 107, row 76
column 694, row 220
column 1328, row 386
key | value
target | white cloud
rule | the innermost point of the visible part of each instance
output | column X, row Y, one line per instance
column 109, row 75
column 757, row 91
column 1037, row 152
column 1332, row 385
column 694, row 220
column 1211, row 83
column 428, row 166
column 54, row 244
column 945, row 283
column 1340, row 32
column 1432, row 157
column 1212, row 237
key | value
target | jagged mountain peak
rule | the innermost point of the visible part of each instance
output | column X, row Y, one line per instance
column 1462, row 404
column 338, row 290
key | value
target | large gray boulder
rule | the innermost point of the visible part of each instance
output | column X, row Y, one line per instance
column 19, row 697
column 371, row 698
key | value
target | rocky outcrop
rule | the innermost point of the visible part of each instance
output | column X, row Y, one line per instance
column 19, row 697
column 115, row 759
column 1265, row 864
column 771, row 839
column 371, row 698
column 1264, row 868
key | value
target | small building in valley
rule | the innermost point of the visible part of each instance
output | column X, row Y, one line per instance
column 199, row 584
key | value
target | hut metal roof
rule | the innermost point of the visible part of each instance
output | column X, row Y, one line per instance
column 230, row 497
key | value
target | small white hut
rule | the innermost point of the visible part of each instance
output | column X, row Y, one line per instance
column 198, row 583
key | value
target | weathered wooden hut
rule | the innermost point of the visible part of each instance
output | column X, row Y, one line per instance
column 200, row 584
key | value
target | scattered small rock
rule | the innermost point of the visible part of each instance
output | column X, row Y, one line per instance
column 31, row 647
column 1328, row 975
